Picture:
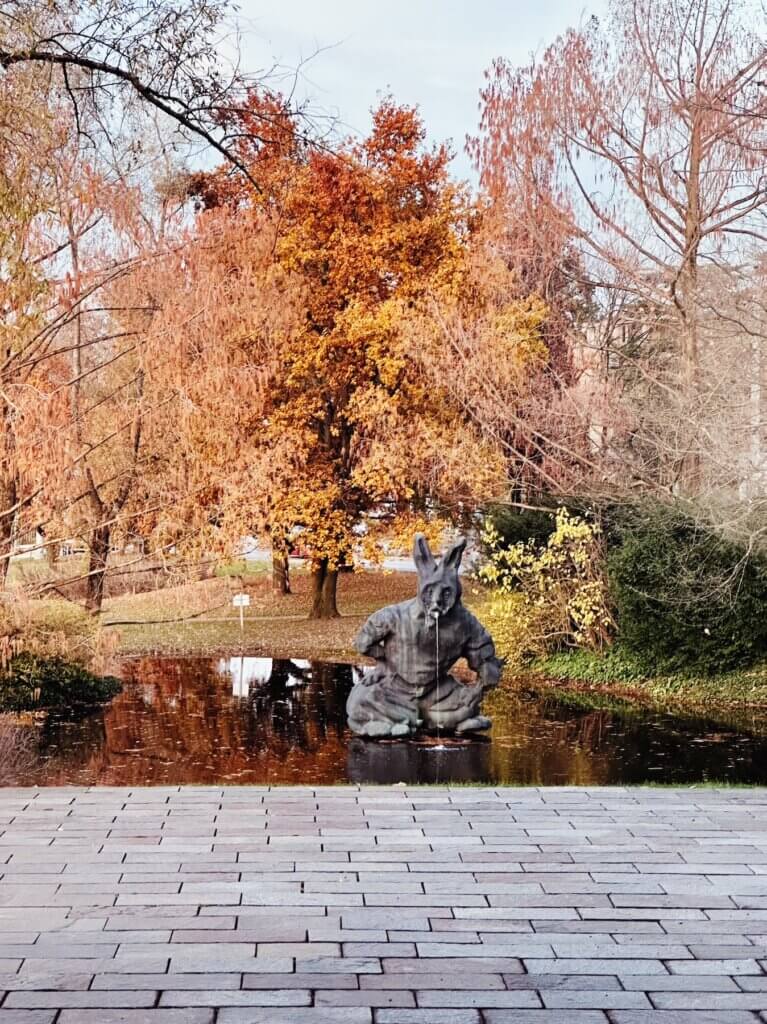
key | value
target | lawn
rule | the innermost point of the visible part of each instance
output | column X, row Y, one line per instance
column 199, row 618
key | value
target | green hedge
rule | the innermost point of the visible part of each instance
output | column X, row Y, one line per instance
column 686, row 599
column 32, row 682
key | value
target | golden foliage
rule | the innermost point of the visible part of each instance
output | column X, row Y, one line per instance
column 549, row 596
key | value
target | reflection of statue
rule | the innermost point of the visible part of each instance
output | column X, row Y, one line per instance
column 386, row 764
column 415, row 644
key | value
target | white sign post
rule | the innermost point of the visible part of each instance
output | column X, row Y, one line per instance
column 241, row 601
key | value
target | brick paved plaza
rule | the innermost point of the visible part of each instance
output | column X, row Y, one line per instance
column 388, row 905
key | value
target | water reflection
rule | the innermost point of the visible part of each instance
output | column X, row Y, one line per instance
column 259, row 720
column 465, row 761
column 253, row 673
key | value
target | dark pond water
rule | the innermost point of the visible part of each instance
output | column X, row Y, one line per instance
column 254, row 720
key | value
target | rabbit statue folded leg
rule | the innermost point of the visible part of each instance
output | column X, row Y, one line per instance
column 415, row 644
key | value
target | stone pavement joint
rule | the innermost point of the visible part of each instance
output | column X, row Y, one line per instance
column 383, row 905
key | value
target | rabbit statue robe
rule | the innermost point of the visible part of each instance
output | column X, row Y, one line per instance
column 415, row 644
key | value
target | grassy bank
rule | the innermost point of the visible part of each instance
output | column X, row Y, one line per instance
column 597, row 678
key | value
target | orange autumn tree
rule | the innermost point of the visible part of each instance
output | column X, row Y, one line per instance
column 349, row 431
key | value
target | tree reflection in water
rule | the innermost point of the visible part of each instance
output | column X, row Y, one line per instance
column 178, row 721
column 263, row 721
column 17, row 749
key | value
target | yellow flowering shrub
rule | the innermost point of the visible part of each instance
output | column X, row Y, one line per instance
column 551, row 596
column 507, row 617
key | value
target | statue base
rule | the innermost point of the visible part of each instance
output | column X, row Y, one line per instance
column 382, row 705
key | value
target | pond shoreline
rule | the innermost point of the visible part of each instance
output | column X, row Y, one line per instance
column 745, row 689
column 693, row 694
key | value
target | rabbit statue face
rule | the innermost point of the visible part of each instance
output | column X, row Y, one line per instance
column 439, row 588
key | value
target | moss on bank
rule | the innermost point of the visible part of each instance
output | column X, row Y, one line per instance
column 615, row 673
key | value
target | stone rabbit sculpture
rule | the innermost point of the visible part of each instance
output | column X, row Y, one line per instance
column 415, row 644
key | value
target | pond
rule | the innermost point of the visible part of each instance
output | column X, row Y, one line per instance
column 262, row 721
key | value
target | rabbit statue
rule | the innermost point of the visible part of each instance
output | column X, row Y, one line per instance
column 415, row 644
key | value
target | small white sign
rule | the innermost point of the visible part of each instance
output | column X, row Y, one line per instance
column 241, row 600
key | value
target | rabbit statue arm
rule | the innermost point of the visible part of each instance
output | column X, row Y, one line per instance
column 490, row 672
column 370, row 639
column 479, row 652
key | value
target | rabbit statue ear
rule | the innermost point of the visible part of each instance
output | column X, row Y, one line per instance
column 422, row 556
column 454, row 554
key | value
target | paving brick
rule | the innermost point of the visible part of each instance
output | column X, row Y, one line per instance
column 299, row 980
column 306, row 1015
column 27, row 1016
column 682, row 983
column 35, row 1000
column 451, row 982
column 369, row 997
column 594, row 999
column 682, row 1017
column 380, row 949
column 579, row 982
column 44, row 978
column 545, row 1017
column 155, row 982
column 730, row 967
column 708, row 1001
column 425, row 1016
column 587, row 966
column 520, row 999
column 229, row 997
column 299, row 950
column 187, row 1016
column 443, row 965
column 747, row 983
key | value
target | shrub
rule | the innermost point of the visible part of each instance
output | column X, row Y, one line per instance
column 512, row 526
column 559, row 585
column 31, row 682
column 686, row 598
column 508, row 619
column 50, row 628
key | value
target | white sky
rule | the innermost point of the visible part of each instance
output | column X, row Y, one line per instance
column 427, row 52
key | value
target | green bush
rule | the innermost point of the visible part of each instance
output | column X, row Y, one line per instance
column 520, row 525
column 685, row 598
column 31, row 682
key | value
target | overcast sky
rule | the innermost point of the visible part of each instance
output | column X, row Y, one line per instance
column 427, row 52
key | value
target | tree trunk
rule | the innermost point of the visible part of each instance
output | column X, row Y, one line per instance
column 9, row 490
column 280, row 570
column 97, row 567
column 51, row 553
column 324, row 586
column 8, row 498
column 690, row 475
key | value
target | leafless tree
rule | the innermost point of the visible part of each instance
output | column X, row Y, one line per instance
column 641, row 140
column 105, row 55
